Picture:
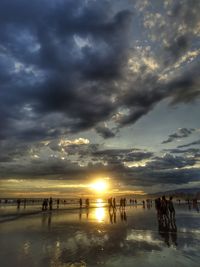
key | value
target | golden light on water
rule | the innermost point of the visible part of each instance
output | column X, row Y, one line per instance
column 100, row 211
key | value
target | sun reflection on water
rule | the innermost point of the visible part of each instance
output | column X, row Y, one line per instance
column 100, row 211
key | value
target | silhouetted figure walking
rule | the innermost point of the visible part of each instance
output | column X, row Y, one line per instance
column 45, row 204
column 171, row 208
column 50, row 203
column 18, row 203
column 87, row 203
column 158, row 207
column 58, row 203
column 80, row 203
column 121, row 203
column 164, row 208
column 24, row 203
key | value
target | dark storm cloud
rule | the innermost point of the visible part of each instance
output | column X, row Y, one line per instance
column 70, row 59
column 56, row 75
column 104, row 131
column 181, row 133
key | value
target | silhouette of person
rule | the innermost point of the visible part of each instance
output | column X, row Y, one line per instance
column 121, row 203
column 50, row 203
column 171, row 208
column 114, row 203
column 164, row 208
column 18, row 203
column 158, row 207
column 87, row 203
column 58, row 203
column 24, row 203
column 80, row 203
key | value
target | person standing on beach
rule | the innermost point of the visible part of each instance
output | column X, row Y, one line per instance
column 18, row 203
column 114, row 203
column 80, row 202
column 50, row 203
column 87, row 203
column 58, row 203
column 171, row 208
column 164, row 208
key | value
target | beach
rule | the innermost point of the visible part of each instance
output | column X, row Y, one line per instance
column 92, row 237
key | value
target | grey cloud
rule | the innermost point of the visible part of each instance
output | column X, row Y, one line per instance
column 58, row 75
column 197, row 142
column 181, row 133
column 158, row 170
column 104, row 131
column 182, row 151
column 170, row 161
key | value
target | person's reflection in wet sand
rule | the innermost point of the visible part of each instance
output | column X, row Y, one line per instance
column 163, row 227
column 80, row 214
column 112, row 216
column 46, row 219
column 49, row 221
column 115, row 217
column 87, row 212
column 168, row 230
column 123, row 216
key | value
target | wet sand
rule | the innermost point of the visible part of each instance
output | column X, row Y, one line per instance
column 97, row 237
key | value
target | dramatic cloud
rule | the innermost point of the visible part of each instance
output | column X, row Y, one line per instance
column 79, row 62
column 104, row 131
column 74, row 73
column 181, row 133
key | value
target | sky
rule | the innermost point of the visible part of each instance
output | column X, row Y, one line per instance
column 102, row 90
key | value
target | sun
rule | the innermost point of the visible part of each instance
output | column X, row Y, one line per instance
column 99, row 186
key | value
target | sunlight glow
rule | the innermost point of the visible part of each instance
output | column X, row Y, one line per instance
column 100, row 186
column 100, row 210
column 100, row 214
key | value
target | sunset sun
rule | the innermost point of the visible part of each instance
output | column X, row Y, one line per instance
column 99, row 186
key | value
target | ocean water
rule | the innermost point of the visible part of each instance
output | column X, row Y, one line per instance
column 98, row 237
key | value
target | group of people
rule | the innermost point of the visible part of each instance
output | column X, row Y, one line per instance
column 165, row 208
column 87, row 203
column 112, row 203
column 47, row 203
column 133, row 201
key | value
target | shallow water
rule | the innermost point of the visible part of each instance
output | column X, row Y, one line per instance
column 97, row 237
